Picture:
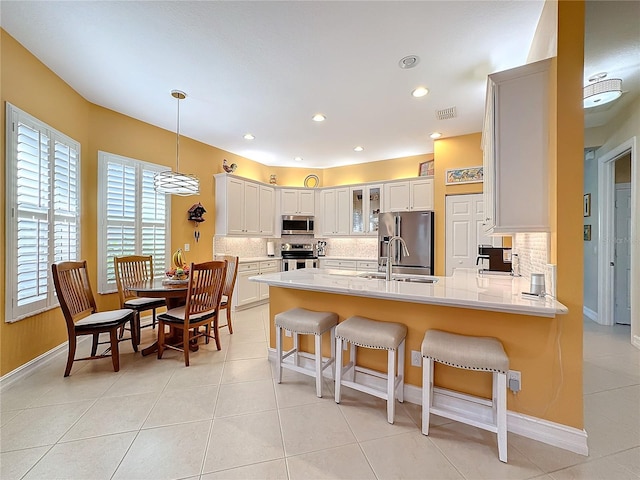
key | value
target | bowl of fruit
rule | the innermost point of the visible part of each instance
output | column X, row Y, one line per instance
column 179, row 273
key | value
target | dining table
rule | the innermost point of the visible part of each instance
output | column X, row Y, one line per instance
column 175, row 295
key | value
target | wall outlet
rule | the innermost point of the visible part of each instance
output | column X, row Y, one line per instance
column 187, row 247
column 416, row 358
column 514, row 381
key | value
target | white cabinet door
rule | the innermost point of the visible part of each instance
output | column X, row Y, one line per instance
column 366, row 203
column 339, row 264
column 234, row 204
column 422, row 194
column 306, row 202
column 251, row 212
column 343, row 217
column 515, row 143
column 335, row 211
column 397, row 196
column 289, row 201
column 267, row 208
column 270, row 266
column 247, row 292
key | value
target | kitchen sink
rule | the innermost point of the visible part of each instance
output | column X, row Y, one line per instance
column 399, row 277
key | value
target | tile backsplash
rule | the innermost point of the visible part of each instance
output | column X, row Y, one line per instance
column 533, row 249
column 365, row 247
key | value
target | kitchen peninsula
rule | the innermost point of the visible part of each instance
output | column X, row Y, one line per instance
column 466, row 303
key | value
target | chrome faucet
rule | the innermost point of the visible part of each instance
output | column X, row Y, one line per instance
column 389, row 250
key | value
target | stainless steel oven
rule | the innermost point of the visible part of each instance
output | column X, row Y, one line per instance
column 298, row 255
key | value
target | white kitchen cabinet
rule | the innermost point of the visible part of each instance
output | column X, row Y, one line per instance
column 297, row 201
column 248, row 292
column 339, row 264
column 515, row 145
column 408, row 195
column 367, row 265
column 334, row 207
column 243, row 208
column 366, row 204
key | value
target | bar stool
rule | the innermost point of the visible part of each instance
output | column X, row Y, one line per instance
column 484, row 354
column 367, row 333
column 300, row 321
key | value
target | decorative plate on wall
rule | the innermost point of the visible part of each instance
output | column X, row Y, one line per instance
column 311, row 181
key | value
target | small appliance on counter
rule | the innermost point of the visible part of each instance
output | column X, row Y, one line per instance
column 499, row 258
column 298, row 255
column 322, row 248
column 271, row 251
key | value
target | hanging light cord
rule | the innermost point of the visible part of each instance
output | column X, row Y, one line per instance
column 178, row 135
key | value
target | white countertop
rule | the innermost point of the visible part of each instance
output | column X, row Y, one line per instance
column 252, row 259
column 357, row 259
column 465, row 289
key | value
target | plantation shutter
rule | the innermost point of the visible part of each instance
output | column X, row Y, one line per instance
column 43, row 205
column 133, row 221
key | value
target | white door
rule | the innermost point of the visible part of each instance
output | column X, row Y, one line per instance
column 464, row 215
column 622, row 275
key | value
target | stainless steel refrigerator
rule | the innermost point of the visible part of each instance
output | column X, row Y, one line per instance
column 416, row 229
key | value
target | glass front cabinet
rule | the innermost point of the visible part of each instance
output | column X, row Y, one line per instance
column 366, row 202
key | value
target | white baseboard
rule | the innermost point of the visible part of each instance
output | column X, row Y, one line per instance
column 635, row 341
column 28, row 368
column 551, row 433
column 590, row 314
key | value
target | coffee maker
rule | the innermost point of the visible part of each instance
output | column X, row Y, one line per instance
column 499, row 258
column 322, row 248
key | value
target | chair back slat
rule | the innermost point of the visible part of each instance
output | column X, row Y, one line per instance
column 71, row 282
column 132, row 270
column 232, row 273
column 205, row 287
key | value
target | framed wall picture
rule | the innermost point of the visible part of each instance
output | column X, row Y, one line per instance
column 586, row 210
column 455, row 176
column 587, row 233
column 426, row 169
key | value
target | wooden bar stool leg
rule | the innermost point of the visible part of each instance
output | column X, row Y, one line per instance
column 338, row 376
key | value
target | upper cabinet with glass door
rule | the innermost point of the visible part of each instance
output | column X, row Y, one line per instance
column 366, row 202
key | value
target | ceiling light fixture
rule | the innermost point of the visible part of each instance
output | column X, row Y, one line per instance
column 359, row 148
column 409, row 61
column 176, row 183
column 435, row 135
column 601, row 91
column 248, row 136
column 420, row 92
column 318, row 117
column 298, row 159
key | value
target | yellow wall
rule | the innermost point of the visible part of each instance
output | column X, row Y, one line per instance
column 375, row 171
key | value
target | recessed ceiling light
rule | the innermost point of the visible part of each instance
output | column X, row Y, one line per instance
column 420, row 92
column 435, row 135
column 318, row 117
column 359, row 148
column 248, row 136
column 409, row 61
column 298, row 159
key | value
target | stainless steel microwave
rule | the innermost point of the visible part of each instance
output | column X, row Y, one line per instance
column 297, row 225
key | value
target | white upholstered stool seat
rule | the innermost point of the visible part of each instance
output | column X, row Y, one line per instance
column 367, row 333
column 300, row 321
column 470, row 353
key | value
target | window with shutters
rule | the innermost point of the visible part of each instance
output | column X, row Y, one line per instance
column 43, row 211
column 133, row 218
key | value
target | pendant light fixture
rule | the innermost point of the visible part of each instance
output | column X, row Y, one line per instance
column 176, row 183
column 601, row 90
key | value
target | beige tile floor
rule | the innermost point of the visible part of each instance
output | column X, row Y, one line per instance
column 224, row 417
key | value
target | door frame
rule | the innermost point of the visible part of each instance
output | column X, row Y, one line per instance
column 606, row 204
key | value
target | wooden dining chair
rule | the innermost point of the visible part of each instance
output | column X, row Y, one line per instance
column 229, row 284
column 78, row 305
column 131, row 270
column 204, row 295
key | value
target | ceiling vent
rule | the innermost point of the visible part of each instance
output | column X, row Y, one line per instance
column 446, row 113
